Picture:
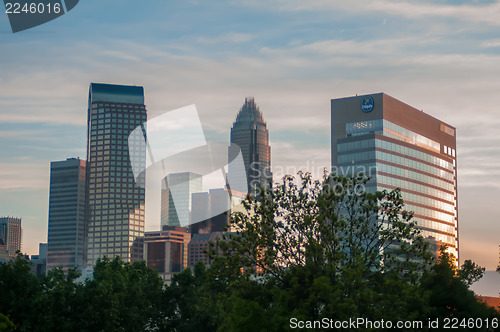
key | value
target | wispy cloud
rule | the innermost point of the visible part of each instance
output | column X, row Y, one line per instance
column 227, row 38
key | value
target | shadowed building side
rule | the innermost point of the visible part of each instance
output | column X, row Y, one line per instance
column 250, row 134
column 66, row 238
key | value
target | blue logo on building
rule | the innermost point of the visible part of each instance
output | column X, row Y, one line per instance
column 367, row 104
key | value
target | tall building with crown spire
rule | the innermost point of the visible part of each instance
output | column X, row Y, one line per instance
column 250, row 134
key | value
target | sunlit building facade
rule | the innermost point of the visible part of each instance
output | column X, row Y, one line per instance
column 115, row 198
column 401, row 147
column 10, row 237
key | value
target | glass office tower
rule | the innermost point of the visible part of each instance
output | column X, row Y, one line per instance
column 115, row 199
column 67, row 231
column 176, row 198
column 250, row 134
column 401, row 147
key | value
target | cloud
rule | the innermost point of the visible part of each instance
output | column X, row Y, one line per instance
column 292, row 57
column 231, row 37
column 491, row 43
column 477, row 13
column 22, row 176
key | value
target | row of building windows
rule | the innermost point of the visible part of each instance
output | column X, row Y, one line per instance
column 429, row 180
column 139, row 215
column 429, row 224
column 99, row 253
column 388, row 180
column 433, row 203
column 113, row 237
column 415, row 154
column 98, row 227
column 115, row 197
column 390, row 129
column 355, row 157
column 450, row 240
column 117, row 117
column 113, row 190
column 98, row 202
column 118, row 110
column 449, row 151
column 409, row 136
column 124, row 218
column 380, row 155
column 96, row 238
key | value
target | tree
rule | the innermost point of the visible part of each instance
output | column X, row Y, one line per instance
column 334, row 223
column 120, row 297
column 5, row 324
column 194, row 301
column 470, row 272
column 498, row 267
column 449, row 293
column 325, row 249
column 20, row 293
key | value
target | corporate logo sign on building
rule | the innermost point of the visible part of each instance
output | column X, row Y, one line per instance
column 367, row 104
column 27, row 14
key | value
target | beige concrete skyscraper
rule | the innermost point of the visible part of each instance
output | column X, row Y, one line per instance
column 10, row 237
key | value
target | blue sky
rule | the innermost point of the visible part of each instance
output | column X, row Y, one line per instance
column 293, row 56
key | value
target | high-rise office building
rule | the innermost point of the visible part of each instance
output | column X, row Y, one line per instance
column 199, row 245
column 166, row 251
column 176, row 197
column 39, row 267
column 115, row 198
column 250, row 134
column 401, row 147
column 212, row 210
column 67, row 227
column 10, row 237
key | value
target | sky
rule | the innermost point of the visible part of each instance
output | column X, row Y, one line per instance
column 293, row 56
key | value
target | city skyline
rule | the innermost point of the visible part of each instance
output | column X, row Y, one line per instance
column 292, row 57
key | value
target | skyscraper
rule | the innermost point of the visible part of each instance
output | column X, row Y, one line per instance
column 67, row 228
column 176, row 198
column 115, row 199
column 401, row 147
column 250, row 134
column 10, row 237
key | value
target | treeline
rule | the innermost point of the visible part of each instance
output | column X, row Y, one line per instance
column 305, row 251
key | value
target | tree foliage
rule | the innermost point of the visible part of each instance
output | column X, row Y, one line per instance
column 319, row 249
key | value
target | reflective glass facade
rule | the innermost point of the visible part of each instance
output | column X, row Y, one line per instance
column 67, row 230
column 176, row 206
column 115, row 198
column 250, row 133
column 401, row 147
